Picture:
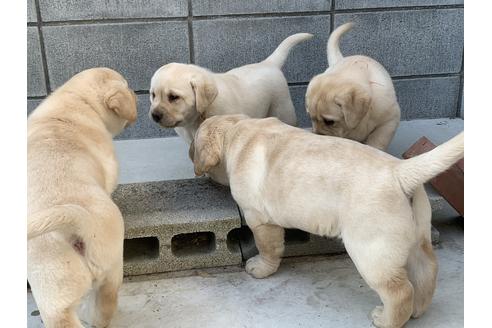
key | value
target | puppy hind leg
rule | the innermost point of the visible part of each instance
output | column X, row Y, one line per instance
column 422, row 263
column 283, row 109
column 396, row 293
column 58, row 285
column 106, row 301
column 422, row 271
column 384, row 273
column 269, row 240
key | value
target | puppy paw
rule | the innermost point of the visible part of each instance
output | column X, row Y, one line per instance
column 259, row 268
column 417, row 313
column 377, row 317
column 101, row 323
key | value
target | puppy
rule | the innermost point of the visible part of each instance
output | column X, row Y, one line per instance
column 354, row 98
column 182, row 95
column 75, row 231
column 285, row 177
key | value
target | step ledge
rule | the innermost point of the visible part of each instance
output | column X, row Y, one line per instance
column 163, row 159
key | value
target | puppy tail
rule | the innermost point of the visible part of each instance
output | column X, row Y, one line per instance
column 280, row 54
column 333, row 46
column 415, row 171
column 68, row 218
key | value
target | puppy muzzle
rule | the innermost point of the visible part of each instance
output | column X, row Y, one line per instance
column 162, row 119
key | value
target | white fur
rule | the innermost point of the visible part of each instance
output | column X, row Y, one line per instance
column 257, row 90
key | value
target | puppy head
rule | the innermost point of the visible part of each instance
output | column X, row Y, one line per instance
column 110, row 95
column 206, row 149
column 179, row 94
column 336, row 107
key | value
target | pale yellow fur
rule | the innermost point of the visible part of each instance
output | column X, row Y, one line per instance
column 285, row 177
column 75, row 231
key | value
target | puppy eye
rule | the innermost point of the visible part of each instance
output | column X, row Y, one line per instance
column 338, row 104
column 172, row 98
column 153, row 94
column 328, row 122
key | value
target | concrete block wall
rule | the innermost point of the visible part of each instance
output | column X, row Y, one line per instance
column 420, row 42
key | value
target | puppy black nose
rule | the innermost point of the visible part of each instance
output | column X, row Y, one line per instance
column 156, row 116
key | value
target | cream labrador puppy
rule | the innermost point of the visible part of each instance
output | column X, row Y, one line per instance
column 285, row 177
column 182, row 95
column 75, row 231
column 354, row 98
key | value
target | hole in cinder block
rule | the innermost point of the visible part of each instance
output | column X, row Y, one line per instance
column 194, row 243
column 234, row 237
column 295, row 236
column 143, row 248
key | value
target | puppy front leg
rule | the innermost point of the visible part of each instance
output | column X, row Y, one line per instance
column 269, row 240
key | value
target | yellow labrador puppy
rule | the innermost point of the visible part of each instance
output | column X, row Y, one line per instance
column 75, row 231
column 354, row 98
column 285, row 177
column 182, row 95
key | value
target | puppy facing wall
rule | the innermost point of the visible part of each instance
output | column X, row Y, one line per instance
column 182, row 95
column 75, row 231
column 284, row 177
column 354, row 98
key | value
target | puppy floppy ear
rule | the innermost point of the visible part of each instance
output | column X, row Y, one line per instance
column 207, row 150
column 355, row 104
column 120, row 99
column 205, row 91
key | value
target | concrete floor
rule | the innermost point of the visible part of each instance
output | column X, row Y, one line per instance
column 306, row 292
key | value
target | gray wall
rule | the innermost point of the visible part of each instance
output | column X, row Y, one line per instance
column 420, row 42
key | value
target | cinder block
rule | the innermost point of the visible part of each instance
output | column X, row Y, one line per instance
column 36, row 84
column 31, row 11
column 297, row 243
column 225, row 7
column 177, row 225
column 435, row 234
column 301, row 243
column 409, row 42
column 135, row 50
column 223, row 44
column 156, row 159
column 144, row 127
column 437, row 201
column 298, row 94
column 357, row 4
column 32, row 104
column 62, row 10
column 427, row 97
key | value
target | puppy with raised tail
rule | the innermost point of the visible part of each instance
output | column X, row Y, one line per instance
column 182, row 95
column 354, row 98
column 285, row 177
column 75, row 231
